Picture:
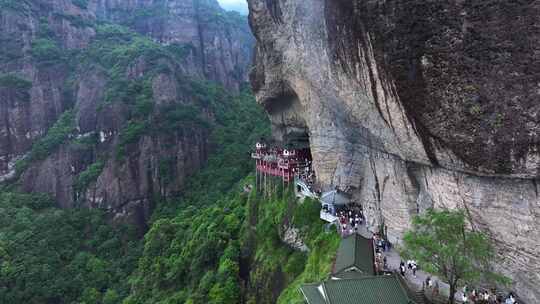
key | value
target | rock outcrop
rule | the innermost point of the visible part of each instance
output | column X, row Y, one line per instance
column 414, row 104
column 103, row 101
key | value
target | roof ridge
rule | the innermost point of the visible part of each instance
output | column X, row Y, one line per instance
column 327, row 296
column 362, row 278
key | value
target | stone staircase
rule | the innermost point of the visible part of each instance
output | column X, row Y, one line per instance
column 418, row 297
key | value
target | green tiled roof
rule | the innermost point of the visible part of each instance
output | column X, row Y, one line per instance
column 356, row 252
column 312, row 294
column 349, row 275
column 366, row 290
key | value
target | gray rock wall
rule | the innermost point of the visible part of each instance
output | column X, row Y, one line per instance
column 414, row 104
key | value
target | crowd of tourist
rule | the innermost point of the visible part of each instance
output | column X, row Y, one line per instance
column 305, row 172
column 475, row 296
column 350, row 220
column 412, row 266
column 381, row 246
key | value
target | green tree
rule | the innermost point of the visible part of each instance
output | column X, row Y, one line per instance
column 111, row 297
column 90, row 296
column 443, row 244
column 224, row 293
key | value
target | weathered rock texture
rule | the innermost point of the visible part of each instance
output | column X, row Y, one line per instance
column 414, row 104
column 219, row 49
column 42, row 76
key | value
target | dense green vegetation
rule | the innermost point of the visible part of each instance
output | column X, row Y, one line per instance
column 201, row 247
column 116, row 47
column 88, row 176
column 48, row 255
column 96, row 268
column 15, row 87
column 323, row 245
column 277, row 267
column 46, row 51
column 204, row 254
column 57, row 135
column 14, row 82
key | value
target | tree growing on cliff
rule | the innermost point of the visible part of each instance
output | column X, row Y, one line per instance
column 443, row 244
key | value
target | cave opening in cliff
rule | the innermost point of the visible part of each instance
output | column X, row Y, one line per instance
column 280, row 103
column 298, row 140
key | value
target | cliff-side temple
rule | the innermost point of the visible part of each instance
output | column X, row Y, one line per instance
column 292, row 165
column 288, row 164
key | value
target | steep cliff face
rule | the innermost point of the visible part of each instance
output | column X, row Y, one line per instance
column 409, row 105
column 218, row 43
column 105, row 103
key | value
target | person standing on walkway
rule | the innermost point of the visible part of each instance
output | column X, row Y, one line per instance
column 511, row 299
column 429, row 283
column 402, row 268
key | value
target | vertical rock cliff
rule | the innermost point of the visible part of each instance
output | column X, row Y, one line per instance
column 410, row 105
column 105, row 103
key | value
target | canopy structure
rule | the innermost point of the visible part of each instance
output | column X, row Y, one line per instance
column 367, row 290
column 335, row 198
column 355, row 254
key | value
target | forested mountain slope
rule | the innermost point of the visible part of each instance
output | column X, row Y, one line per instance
column 214, row 244
column 110, row 109
column 76, row 255
column 104, row 102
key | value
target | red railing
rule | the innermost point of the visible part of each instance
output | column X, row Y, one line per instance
column 275, row 171
column 274, row 163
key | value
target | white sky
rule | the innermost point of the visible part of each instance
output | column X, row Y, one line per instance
column 235, row 5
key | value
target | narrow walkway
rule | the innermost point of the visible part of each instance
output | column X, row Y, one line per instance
column 393, row 260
